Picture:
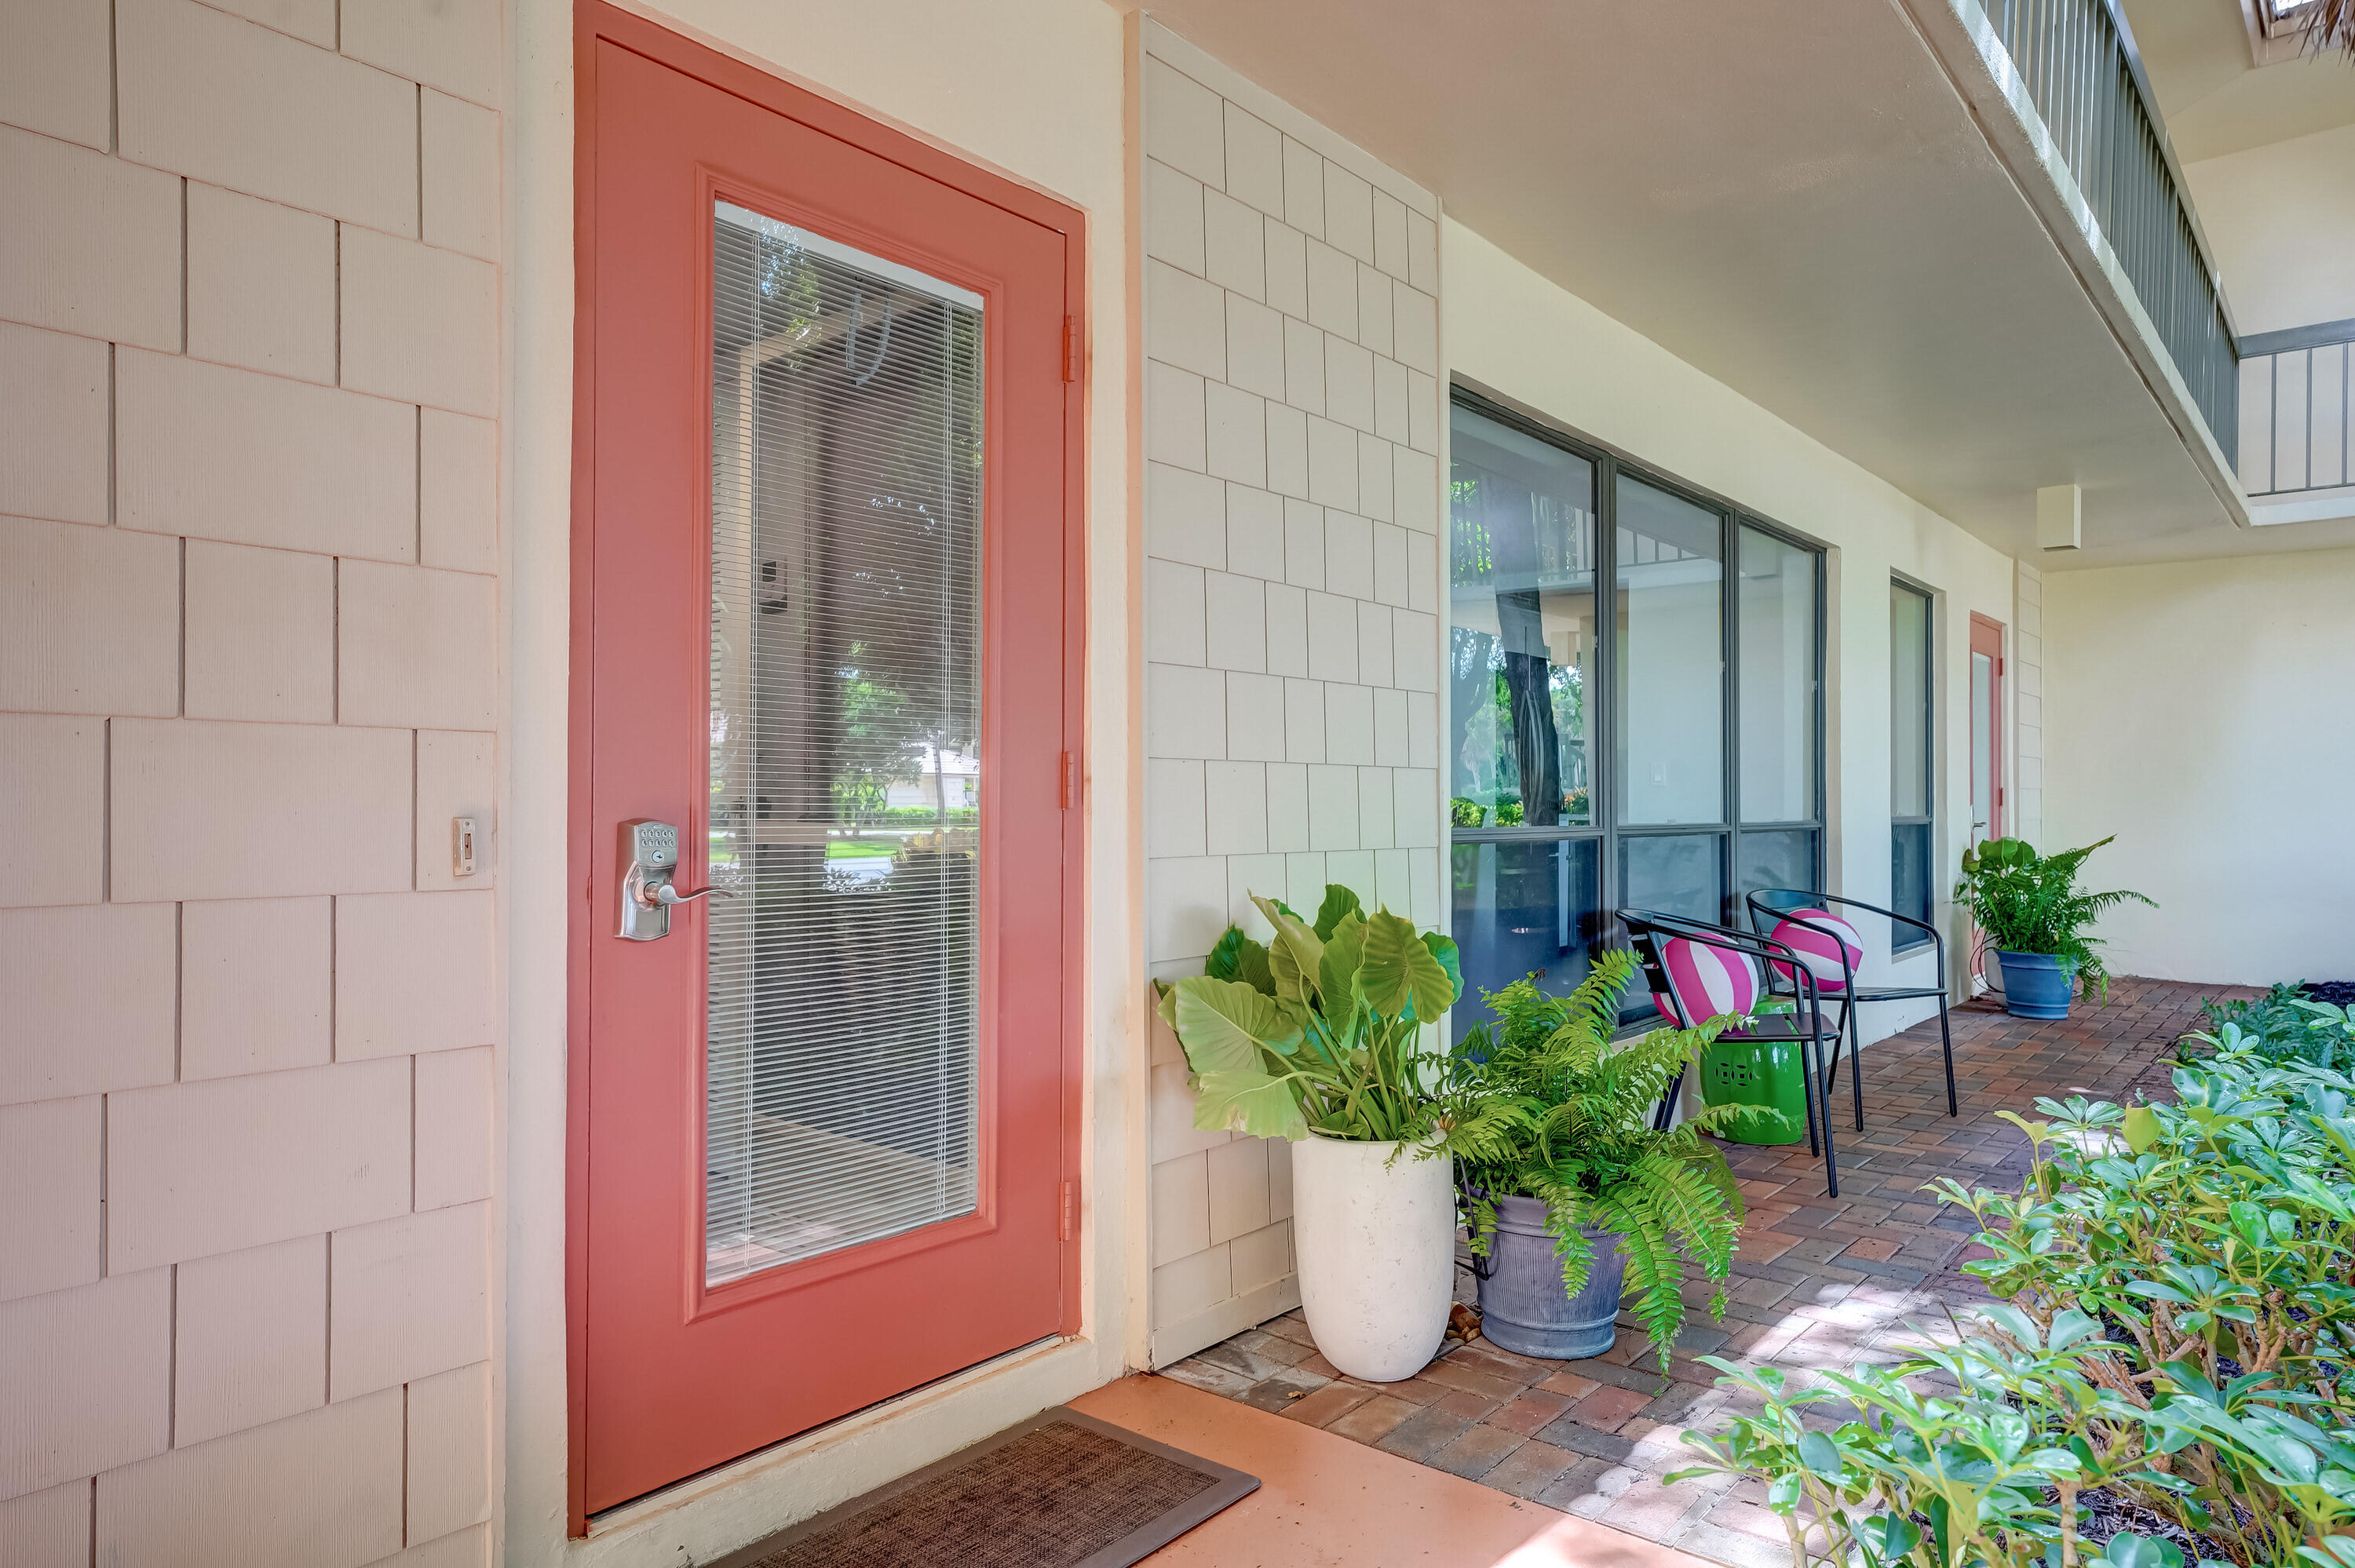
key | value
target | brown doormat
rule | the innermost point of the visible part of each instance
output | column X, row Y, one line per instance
column 1061, row 1490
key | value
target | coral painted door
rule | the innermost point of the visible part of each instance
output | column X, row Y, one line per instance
column 1989, row 817
column 824, row 634
column 1988, row 812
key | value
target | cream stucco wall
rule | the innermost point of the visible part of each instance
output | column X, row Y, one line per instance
column 2282, row 217
column 2197, row 712
column 1035, row 89
column 2024, row 686
column 1511, row 331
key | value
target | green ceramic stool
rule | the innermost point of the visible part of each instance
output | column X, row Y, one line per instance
column 1757, row 1073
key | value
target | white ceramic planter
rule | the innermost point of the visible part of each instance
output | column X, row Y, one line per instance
column 1376, row 1245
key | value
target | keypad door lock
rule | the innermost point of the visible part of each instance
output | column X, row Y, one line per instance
column 649, row 863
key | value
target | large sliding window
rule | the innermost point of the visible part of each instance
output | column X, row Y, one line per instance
column 1602, row 749
column 1911, row 759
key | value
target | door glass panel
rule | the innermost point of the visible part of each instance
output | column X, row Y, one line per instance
column 1777, row 631
column 1982, row 744
column 1671, row 640
column 1521, row 571
column 1524, row 907
column 842, row 1017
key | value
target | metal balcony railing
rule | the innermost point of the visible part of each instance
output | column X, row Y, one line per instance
column 2294, row 421
column 2077, row 59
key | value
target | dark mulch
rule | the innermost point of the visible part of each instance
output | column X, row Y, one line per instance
column 2337, row 994
column 2107, row 1513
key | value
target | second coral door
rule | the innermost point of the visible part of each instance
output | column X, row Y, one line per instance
column 826, row 668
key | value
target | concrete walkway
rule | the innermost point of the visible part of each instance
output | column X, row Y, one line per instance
column 1818, row 1282
column 1324, row 1502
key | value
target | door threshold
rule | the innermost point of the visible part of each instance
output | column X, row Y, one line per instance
column 719, row 1477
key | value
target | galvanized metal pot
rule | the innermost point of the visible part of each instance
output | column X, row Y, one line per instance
column 1524, row 1305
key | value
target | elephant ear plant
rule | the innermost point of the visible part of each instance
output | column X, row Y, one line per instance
column 1319, row 1030
column 2026, row 902
column 1550, row 1105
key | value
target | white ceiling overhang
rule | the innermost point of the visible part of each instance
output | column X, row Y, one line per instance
column 1795, row 197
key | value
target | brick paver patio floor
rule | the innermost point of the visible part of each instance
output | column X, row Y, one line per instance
column 1818, row 1282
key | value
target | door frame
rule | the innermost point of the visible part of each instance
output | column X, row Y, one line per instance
column 595, row 21
column 1999, row 809
column 1998, row 758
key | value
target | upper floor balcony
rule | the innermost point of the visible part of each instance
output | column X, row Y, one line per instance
column 1948, row 238
column 2297, row 461
column 2084, row 116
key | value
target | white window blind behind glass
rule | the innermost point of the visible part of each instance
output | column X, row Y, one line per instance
column 845, row 729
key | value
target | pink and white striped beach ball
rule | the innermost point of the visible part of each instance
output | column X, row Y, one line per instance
column 1819, row 937
column 1709, row 982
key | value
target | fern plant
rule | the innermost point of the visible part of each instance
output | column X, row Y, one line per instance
column 2023, row 902
column 1545, row 1104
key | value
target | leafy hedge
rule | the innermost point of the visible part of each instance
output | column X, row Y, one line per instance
column 2165, row 1368
column 2283, row 1026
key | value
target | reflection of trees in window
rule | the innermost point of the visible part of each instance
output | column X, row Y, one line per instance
column 846, row 517
column 865, row 475
column 1529, row 688
column 1569, row 698
column 1522, row 713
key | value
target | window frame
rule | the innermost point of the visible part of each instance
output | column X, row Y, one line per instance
column 1904, row 939
column 1605, row 735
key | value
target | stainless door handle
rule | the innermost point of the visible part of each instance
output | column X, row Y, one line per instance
column 649, row 860
column 664, row 894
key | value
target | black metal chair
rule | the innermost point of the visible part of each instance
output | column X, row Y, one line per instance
column 1768, row 907
column 1648, row 929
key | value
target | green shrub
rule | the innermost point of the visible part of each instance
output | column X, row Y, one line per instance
column 917, row 817
column 2275, row 1011
column 2282, row 1026
column 2176, row 1324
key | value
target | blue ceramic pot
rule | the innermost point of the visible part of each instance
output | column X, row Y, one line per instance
column 2038, row 985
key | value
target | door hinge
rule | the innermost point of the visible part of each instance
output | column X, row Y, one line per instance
column 1068, row 785
column 1071, row 348
column 1071, row 1221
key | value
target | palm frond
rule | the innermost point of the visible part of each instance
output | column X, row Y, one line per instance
column 2333, row 29
column 1566, row 1213
column 1489, row 1129
column 1655, row 1273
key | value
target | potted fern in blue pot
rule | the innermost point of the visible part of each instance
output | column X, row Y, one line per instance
column 2029, row 909
column 1576, row 1203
